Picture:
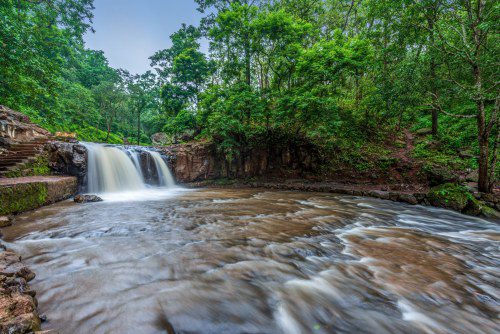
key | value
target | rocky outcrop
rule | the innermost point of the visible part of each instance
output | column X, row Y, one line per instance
column 16, row 127
column 200, row 161
column 18, row 304
column 68, row 159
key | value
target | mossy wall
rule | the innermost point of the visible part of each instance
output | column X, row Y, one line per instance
column 20, row 197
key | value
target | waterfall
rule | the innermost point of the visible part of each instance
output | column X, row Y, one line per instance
column 112, row 169
column 164, row 176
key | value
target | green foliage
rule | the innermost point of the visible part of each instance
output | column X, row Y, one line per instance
column 343, row 75
column 450, row 195
column 22, row 197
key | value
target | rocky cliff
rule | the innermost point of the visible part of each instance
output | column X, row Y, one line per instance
column 200, row 161
column 68, row 159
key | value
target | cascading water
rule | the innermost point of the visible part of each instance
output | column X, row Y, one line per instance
column 114, row 169
column 164, row 176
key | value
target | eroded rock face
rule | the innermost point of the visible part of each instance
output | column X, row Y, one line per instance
column 18, row 312
column 17, row 127
column 194, row 162
column 68, row 159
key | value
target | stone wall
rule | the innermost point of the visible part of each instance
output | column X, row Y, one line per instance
column 24, row 194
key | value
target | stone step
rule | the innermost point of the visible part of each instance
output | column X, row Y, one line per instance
column 9, row 162
column 12, row 163
column 18, row 154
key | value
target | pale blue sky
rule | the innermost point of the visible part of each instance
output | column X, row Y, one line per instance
column 130, row 31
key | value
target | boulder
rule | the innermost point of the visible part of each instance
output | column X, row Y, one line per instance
column 450, row 196
column 68, row 159
column 87, row 199
column 18, row 312
column 408, row 198
column 5, row 221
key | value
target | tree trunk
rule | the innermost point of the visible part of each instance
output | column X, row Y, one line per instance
column 434, row 91
column 138, row 127
column 482, row 135
column 109, row 130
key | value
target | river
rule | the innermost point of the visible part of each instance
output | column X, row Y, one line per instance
column 258, row 261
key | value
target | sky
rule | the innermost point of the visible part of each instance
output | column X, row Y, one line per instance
column 130, row 31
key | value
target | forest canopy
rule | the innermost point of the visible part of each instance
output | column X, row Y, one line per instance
column 341, row 74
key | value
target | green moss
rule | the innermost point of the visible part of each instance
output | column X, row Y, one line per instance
column 39, row 167
column 22, row 197
column 450, row 195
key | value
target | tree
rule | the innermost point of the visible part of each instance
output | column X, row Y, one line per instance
column 467, row 37
column 143, row 95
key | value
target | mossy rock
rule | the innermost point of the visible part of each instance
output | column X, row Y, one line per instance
column 22, row 197
column 39, row 167
column 450, row 196
column 438, row 175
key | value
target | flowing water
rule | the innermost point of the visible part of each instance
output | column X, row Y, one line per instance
column 116, row 169
column 257, row 261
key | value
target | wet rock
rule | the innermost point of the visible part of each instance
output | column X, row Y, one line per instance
column 68, row 159
column 379, row 194
column 18, row 313
column 28, row 193
column 5, row 221
column 87, row 199
column 408, row 198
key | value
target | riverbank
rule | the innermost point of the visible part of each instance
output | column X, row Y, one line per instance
column 448, row 196
column 18, row 304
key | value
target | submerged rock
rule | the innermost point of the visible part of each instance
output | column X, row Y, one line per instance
column 87, row 199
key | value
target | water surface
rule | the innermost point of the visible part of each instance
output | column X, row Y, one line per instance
column 256, row 261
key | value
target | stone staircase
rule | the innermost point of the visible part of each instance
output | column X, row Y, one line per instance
column 21, row 153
